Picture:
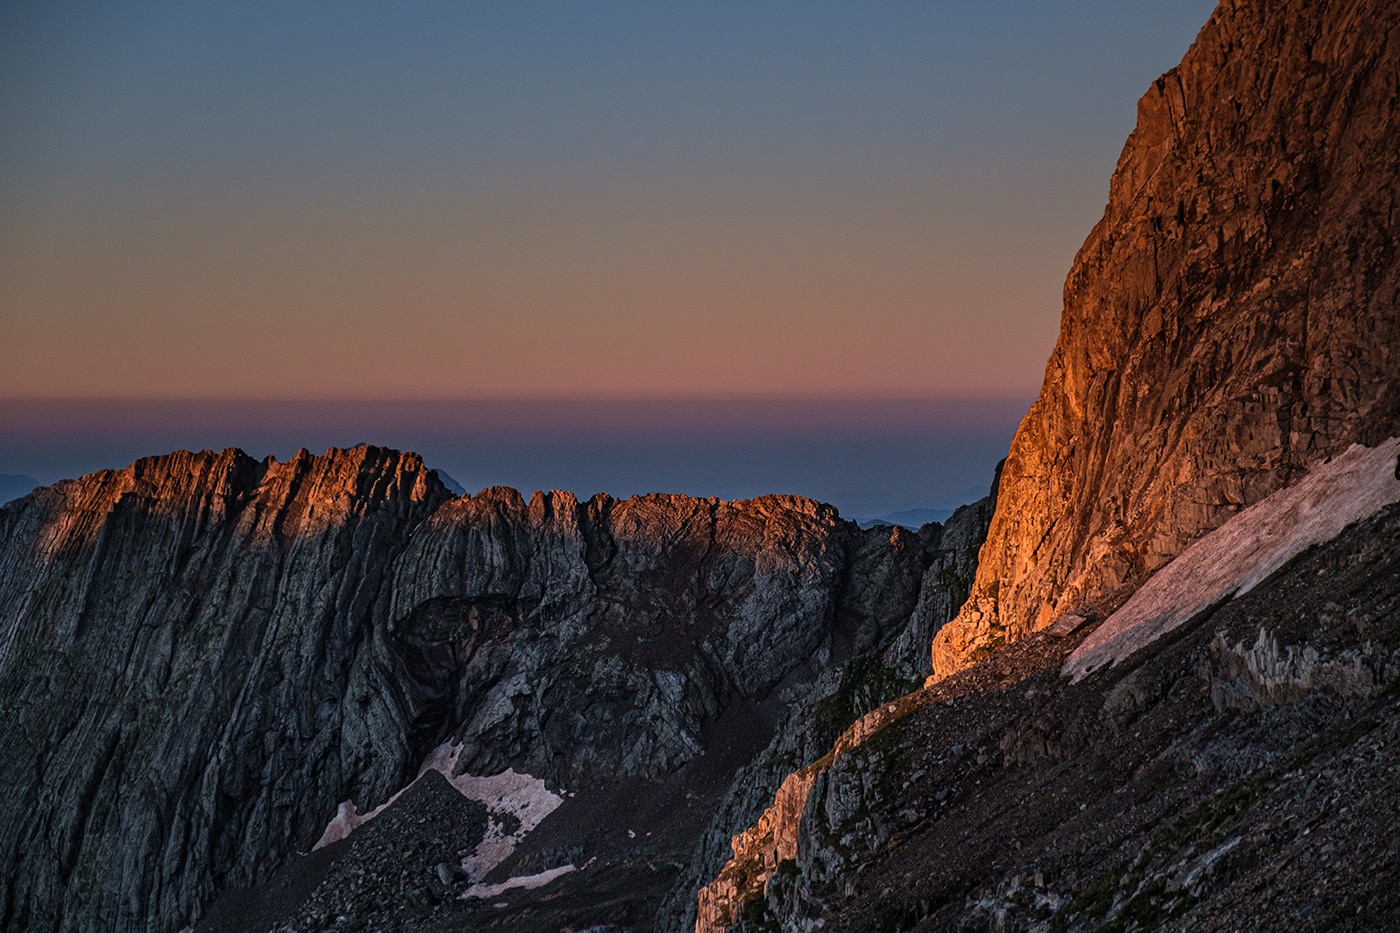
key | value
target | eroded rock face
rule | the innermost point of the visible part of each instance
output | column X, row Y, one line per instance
column 946, row 584
column 1233, row 318
column 595, row 639
column 756, row 827
column 203, row 654
column 183, row 640
column 1241, row 768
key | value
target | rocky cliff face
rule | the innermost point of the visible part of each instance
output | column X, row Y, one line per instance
column 204, row 654
column 1239, row 771
column 755, row 827
column 182, row 640
column 1233, row 318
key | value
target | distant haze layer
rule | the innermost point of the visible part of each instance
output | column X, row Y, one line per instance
column 867, row 457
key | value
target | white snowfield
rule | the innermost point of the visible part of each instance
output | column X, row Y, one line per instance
column 522, row 796
column 520, row 881
column 1245, row 550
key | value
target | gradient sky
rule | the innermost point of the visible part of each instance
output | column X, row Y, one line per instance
column 414, row 200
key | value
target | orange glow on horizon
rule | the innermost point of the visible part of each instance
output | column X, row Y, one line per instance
column 673, row 297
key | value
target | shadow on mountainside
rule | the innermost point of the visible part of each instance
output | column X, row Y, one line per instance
column 1250, row 758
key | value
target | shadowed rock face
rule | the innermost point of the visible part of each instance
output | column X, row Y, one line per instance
column 1233, row 318
column 183, row 642
column 755, row 827
column 1241, row 769
column 202, row 654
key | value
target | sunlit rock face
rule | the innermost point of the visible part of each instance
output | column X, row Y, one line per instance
column 182, row 642
column 204, row 655
column 1232, row 319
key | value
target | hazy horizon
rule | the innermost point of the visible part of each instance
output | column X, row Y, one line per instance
column 868, row 457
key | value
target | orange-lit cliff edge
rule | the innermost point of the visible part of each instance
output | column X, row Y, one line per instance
column 1231, row 319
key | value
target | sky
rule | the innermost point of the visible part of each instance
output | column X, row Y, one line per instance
column 869, row 457
column 349, row 199
column 418, row 201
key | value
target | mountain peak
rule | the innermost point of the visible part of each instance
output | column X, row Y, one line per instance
column 1229, row 322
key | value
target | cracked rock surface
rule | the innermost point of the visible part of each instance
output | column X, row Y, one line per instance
column 1232, row 319
column 202, row 655
column 1247, row 763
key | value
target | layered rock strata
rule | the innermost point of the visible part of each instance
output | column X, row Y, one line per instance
column 756, row 826
column 1233, row 318
column 202, row 655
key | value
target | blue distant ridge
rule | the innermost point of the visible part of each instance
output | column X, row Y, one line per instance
column 913, row 519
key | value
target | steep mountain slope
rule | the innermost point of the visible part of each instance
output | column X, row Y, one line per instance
column 203, row 656
column 1233, row 318
column 180, row 642
column 1231, row 322
column 1240, row 774
column 844, row 695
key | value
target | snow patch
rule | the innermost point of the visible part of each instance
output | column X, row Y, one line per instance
column 1241, row 553
column 347, row 818
column 521, row 796
column 342, row 824
column 521, row 881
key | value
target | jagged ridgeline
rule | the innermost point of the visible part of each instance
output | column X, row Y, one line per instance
column 204, row 655
column 686, row 714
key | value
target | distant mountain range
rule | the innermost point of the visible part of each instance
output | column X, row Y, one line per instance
column 908, row 518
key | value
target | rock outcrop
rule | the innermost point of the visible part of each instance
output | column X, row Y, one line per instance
column 202, row 655
column 755, row 828
column 182, row 641
column 946, row 584
column 1242, row 769
column 1232, row 319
